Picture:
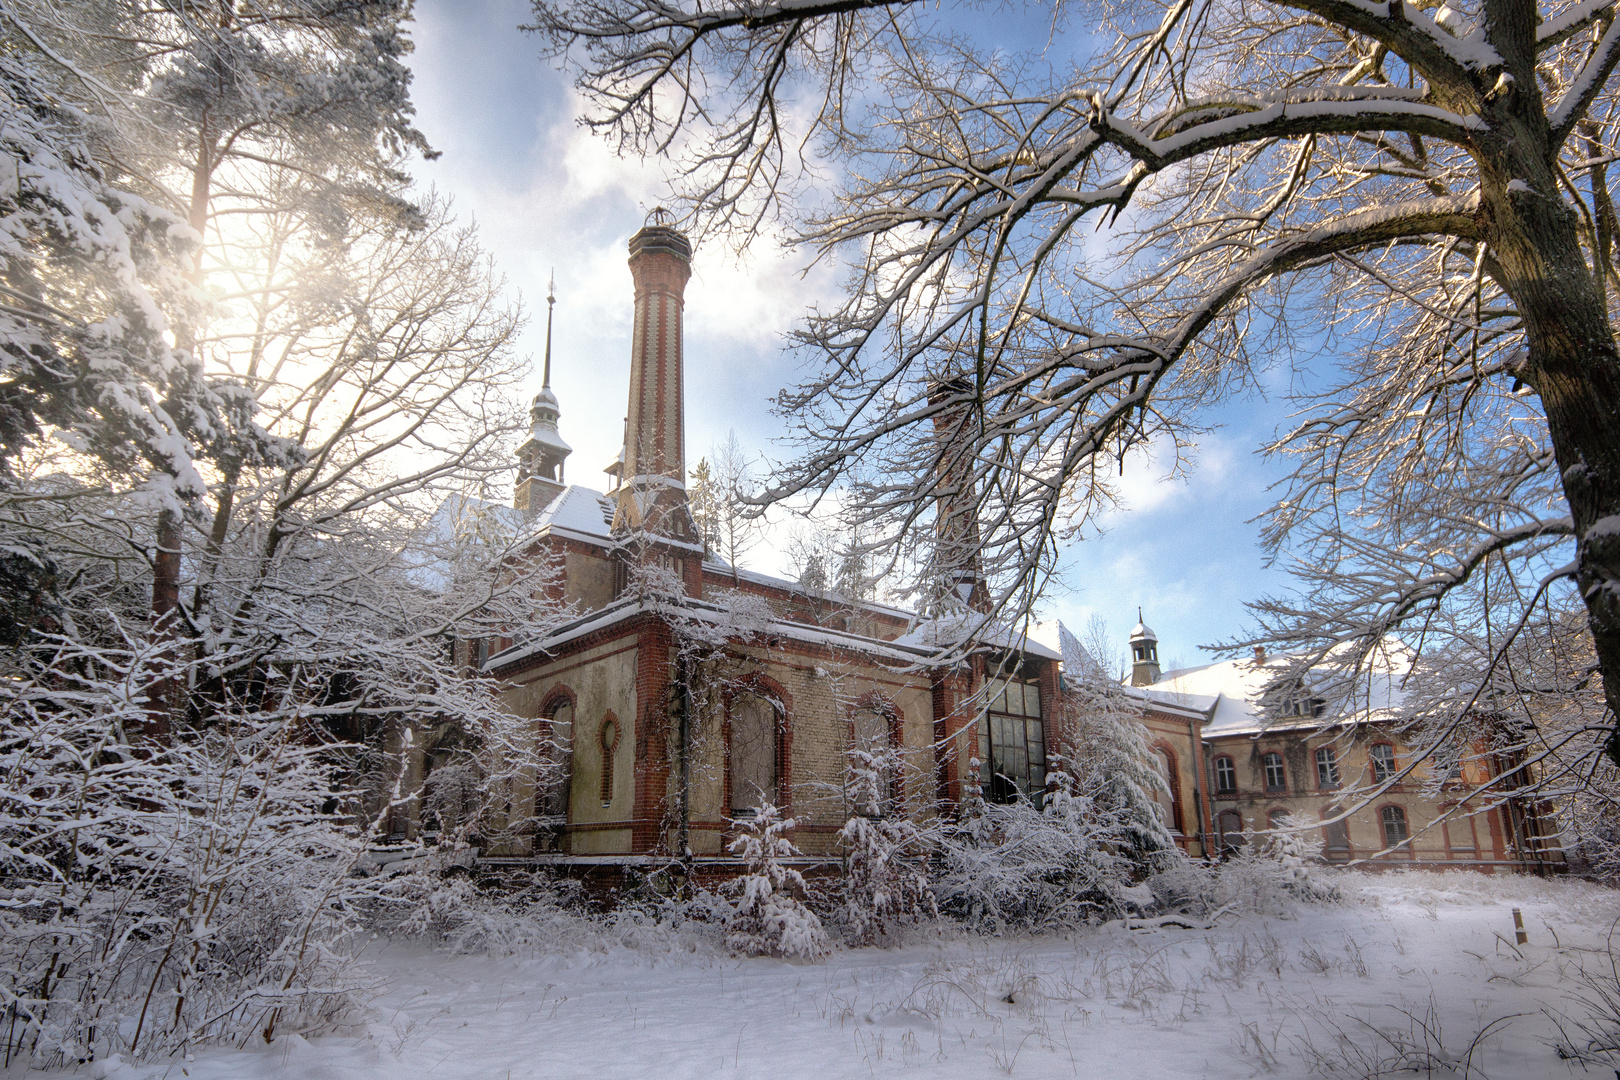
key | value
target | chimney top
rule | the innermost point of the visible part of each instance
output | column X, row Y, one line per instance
column 1259, row 654
column 661, row 238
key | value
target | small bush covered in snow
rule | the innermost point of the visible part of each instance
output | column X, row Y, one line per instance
column 1273, row 870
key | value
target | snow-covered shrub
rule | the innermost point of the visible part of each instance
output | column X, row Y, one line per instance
column 1269, row 874
column 160, row 891
column 886, row 884
column 1082, row 855
column 1018, row 867
column 1105, row 747
column 770, row 919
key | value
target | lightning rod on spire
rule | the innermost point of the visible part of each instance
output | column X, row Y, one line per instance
column 551, row 306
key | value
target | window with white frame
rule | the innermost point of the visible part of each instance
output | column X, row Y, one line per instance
column 1276, row 778
column 1382, row 756
column 1327, row 767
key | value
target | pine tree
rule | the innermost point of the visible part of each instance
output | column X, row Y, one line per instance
column 770, row 919
column 700, row 497
column 1105, row 747
column 886, row 883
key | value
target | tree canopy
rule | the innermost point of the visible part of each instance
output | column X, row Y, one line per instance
column 1404, row 205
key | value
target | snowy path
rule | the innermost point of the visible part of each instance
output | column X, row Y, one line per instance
column 1252, row 997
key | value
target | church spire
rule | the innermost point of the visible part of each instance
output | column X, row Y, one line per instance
column 540, row 459
column 551, row 307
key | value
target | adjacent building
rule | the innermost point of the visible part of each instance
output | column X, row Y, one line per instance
column 1271, row 756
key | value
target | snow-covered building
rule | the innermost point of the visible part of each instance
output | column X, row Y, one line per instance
column 682, row 691
column 1270, row 753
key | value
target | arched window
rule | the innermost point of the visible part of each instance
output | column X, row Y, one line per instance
column 1225, row 776
column 609, row 741
column 872, row 731
column 1276, row 778
column 1393, row 818
column 1164, row 764
column 556, row 734
column 1230, row 826
column 755, row 724
column 1327, row 767
column 1279, row 819
column 1382, row 756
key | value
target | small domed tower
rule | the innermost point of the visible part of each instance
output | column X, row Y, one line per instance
column 540, row 459
column 1144, row 653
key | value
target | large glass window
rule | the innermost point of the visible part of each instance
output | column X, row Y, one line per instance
column 1276, row 779
column 1012, row 743
column 1225, row 776
column 1383, row 762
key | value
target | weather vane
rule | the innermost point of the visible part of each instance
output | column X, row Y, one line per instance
column 659, row 216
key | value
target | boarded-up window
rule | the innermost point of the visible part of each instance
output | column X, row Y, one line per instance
column 610, row 744
column 1230, row 824
column 871, row 730
column 1336, row 836
column 753, row 753
column 551, row 785
column 1460, row 837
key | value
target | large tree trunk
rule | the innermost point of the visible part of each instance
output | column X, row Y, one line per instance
column 1574, row 366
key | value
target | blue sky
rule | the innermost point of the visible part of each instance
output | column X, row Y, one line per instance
column 549, row 196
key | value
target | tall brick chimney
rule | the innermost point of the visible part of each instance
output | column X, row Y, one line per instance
column 652, row 480
column 956, row 522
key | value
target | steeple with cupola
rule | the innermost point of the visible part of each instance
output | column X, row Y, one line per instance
column 1144, row 653
column 541, row 458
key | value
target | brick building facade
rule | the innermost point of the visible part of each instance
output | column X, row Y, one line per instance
column 660, row 748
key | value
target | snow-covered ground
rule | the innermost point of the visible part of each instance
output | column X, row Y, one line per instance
column 1408, row 965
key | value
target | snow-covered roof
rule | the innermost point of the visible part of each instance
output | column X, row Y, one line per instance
column 459, row 520
column 949, row 630
column 720, row 566
column 578, row 511
column 717, row 616
column 1229, row 691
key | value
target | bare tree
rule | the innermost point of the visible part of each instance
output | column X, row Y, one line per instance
column 1421, row 189
column 735, row 520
